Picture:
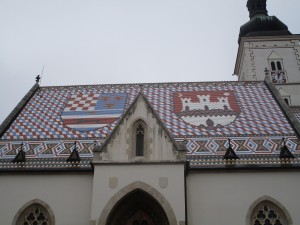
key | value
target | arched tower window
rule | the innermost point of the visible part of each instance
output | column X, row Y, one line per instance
column 35, row 214
column 273, row 67
column 139, row 140
column 278, row 74
column 279, row 67
column 267, row 213
column 276, row 65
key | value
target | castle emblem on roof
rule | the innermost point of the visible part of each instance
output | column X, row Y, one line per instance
column 206, row 109
column 90, row 111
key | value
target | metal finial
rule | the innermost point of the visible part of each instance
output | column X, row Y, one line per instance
column 283, row 141
column 74, row 156
column 37, row 79
column 185, row 141
column 21, row 156
column 75, row 146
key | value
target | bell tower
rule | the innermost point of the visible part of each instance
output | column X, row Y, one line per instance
column 268, row 48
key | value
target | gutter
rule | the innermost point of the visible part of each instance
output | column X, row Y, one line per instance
column 186, row 168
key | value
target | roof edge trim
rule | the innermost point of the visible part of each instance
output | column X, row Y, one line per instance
column 47, row 171
column 17, row 110
column 286, row 109
column 244, row 169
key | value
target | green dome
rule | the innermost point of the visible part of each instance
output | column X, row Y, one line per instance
column 261, row 24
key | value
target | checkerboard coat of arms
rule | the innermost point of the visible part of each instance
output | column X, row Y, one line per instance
column 206, row 109
column 90, row 111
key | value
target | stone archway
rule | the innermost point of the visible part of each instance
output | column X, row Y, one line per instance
column 137, row 204
column 137, row 208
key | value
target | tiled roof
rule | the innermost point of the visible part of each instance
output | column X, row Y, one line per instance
column 203, row 115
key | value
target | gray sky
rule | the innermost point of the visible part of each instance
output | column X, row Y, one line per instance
column 121, row 41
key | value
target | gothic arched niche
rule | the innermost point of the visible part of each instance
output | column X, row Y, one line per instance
column 137, row 208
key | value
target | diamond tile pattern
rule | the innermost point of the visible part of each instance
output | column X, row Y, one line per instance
column 258, row 125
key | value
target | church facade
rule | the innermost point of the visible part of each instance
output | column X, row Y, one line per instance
column 195, row 153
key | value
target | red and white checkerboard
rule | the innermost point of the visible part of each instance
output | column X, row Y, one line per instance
column 80, row 102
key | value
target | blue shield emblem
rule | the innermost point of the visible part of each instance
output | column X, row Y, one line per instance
column 88, row 112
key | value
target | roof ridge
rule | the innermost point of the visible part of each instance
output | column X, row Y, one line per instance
column 154, row 83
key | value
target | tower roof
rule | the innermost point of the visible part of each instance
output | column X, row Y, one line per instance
column 261, row 24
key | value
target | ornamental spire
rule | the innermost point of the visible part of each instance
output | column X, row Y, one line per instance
column 257, row 7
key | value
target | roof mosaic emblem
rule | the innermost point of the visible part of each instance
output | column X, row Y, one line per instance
column 87, row 112
column 206, row 109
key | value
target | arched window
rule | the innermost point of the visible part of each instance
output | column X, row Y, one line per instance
column 273, row 67
column 276, row 62
column 34, row 213
column 279, row 67
column 276, row 66
column 267, row 213
column 139, row 140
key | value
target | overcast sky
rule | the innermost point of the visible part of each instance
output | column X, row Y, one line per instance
column 121, row 41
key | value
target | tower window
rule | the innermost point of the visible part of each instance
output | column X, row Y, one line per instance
column 279, row 66
column 139, row 140
column 276, row 65
column 273, row 67
column 278, row 74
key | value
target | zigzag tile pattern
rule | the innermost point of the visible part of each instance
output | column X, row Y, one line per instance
column 195, row 147
column 47, row 149
column 241, row 145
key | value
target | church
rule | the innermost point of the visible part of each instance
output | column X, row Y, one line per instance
column 194, row 153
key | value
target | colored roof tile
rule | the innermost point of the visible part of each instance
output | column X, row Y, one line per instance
column 204, row 115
